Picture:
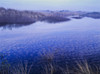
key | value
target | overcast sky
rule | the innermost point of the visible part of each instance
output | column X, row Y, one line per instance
column 76, row 5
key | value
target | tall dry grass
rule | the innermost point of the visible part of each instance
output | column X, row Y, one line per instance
column 51, row 67
column 85, row 68
column 22, row 68
column 80, row 67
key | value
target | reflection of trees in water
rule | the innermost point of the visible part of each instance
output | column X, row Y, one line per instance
column 55, row 19
column 51, row 19
column 10, row 26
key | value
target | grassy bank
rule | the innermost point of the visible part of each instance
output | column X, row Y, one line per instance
column 48, row 66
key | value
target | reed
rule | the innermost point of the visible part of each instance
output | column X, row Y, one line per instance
column 22, row 68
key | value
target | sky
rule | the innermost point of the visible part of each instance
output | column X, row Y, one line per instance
column 75, row 5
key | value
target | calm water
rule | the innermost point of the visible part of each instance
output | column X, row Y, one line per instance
column 78, row 37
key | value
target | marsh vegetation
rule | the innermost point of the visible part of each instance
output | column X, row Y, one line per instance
column 48, row 65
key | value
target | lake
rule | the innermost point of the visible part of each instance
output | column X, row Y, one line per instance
column 76, row 39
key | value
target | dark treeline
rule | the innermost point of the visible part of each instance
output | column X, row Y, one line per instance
column 12, row 16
